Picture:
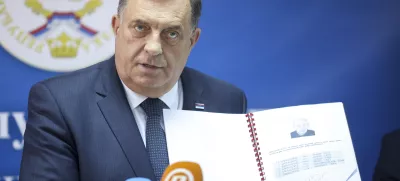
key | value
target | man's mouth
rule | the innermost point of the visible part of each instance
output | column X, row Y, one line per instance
column 149, row 66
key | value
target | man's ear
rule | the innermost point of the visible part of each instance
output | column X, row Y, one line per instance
column 115, row 23
column 195, row 37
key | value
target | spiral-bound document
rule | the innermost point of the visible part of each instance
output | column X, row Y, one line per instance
column 302, row 143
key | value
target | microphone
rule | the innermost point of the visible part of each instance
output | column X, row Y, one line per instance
column 138, row 179
column 183, row 171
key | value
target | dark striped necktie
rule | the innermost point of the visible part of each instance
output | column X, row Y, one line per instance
column 156, row 144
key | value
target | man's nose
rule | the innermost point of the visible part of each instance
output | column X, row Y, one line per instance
column 153, row 45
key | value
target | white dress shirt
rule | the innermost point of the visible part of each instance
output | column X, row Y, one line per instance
column 173, row 99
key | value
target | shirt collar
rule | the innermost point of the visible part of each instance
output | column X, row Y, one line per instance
column 171, row 98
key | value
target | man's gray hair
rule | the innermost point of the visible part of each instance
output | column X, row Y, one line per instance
column 195, row 4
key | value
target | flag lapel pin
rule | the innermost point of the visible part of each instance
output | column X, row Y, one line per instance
column 199, row 106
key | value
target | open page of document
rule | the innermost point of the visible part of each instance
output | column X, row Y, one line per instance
column 307, row 143
column 219, row 143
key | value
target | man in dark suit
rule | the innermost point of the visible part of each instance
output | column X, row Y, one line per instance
column 296, row 134
column 302, row 129
column 388, row 165
column 105, row 122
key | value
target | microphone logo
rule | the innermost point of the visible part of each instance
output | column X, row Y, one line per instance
column 183, row 171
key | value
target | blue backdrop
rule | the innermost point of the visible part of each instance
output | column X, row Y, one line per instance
column 281, row 53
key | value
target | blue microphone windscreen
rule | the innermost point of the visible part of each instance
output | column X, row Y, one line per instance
column 138, row 179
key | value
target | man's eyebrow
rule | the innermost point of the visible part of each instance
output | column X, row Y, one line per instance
column 138, row 21
column 175, row 27
column 168, row 27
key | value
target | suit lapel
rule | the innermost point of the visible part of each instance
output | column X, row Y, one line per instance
column 116, row 111
column 192, row 91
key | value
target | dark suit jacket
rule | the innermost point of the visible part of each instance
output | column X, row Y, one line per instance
column 294, row 134
column 80, row 125
column 388, row 165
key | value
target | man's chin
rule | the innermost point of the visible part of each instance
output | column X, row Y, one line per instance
column 150, row 83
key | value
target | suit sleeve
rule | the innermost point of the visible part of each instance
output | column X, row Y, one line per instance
column 388, row 164
column 244, row 102
column 48, row 153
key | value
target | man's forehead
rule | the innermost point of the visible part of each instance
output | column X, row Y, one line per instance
column 159, row 12
column 177, row 7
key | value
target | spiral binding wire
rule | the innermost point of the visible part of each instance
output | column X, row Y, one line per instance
column 254, row 140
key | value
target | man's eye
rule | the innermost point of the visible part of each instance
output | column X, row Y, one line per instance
column 173, row 34
column 140, row 28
